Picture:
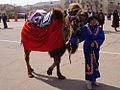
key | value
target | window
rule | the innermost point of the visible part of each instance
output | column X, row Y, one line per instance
column 101, row 6
column 83, row 6
column 87, row 6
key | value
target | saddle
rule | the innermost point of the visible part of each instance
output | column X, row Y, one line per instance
column 42, row 33
column 41, row 19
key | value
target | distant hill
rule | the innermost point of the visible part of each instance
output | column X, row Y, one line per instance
column 43, row 5
column 8, row 6
column 40, row 5
column 47, row 3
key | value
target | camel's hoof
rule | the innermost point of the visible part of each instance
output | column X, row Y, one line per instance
column 49, row 72
column 30, row 75
column 61, row 77
column 32, row 70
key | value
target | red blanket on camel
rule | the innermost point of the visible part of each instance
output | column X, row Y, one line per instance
column 42, row 39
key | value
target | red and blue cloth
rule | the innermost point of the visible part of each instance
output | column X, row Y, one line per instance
column 49, row 38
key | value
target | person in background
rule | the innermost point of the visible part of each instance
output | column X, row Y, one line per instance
column 101, row 18
column 90, row 14
column 25, row 16
column 115, row 22
column 0, row 19
column 109, row 16
column 4, row 19
column 93, row 36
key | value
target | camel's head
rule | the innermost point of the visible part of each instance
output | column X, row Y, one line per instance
column 75, row 21
column 73, row 9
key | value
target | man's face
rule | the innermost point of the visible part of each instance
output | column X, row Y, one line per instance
column 93, row 22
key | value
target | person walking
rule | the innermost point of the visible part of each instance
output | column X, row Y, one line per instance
column 93, row 37
column 115, row 22
column 101, row 18
column 0, row 19
column 26, row 16
column 109, row 15
column 4, row 19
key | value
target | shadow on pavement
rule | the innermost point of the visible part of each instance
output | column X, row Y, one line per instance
column 6, row 28
column 110, row 32
column 70, row 84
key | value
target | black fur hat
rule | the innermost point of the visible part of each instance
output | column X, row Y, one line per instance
column 92, row 17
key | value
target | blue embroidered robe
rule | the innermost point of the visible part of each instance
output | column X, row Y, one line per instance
column 91, row 35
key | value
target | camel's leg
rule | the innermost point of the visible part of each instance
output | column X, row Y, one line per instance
column 50, row 69
column 30, row 70
column 57, row 62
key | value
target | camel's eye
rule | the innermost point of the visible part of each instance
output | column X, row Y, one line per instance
column 74, row 12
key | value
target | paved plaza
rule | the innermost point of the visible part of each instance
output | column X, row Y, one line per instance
column 13, row 71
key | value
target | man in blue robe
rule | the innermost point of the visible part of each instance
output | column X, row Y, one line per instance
column 93, row 37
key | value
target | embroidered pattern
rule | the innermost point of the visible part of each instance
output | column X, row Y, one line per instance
column 41, row 20
column 47, row 19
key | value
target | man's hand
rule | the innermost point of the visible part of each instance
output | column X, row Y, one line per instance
column 92, row 44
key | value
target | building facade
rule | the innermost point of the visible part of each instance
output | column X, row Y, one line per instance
column 113, row 5
column 94, row 5
column 65, row 3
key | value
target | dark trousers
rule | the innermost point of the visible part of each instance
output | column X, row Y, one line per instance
column 5, row 23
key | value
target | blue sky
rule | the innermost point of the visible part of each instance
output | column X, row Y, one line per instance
column 23, row 2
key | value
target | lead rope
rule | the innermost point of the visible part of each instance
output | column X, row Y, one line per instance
column 71, row 31
column 70, row 53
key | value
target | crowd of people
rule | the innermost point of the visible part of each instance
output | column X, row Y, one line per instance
column 100, row 15
column 101, row 18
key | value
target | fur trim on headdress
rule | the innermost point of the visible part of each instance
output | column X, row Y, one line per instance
column 73, row 6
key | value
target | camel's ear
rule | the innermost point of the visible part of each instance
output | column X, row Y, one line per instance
column 73, row 6
column 57, row 13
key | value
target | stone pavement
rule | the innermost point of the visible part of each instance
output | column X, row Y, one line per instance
column 13, row 72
